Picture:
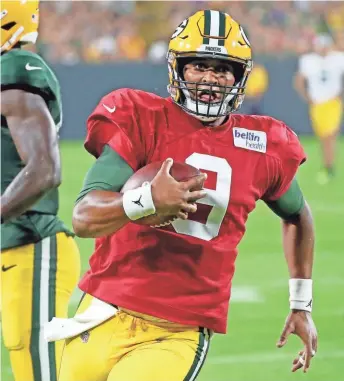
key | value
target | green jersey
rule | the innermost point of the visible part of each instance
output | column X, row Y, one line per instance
column 27, row 71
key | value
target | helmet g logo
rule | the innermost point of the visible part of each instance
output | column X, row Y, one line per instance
column 180, row 29
column 245, row 37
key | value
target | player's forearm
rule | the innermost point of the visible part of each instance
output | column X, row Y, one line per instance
column 98, row 214
column 300, row 87
column 34, row 134
column 298, row 242
column 31, row 183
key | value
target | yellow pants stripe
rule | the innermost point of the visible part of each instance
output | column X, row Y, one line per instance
column 43, row 308
column 35, row 324
column 200, row 355
column 52, row 305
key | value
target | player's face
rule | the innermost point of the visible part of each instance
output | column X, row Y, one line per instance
column 208, row 72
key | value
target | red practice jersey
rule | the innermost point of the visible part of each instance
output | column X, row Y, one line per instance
column 183, row 272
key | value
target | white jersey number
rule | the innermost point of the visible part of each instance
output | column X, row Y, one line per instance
column 218, row 198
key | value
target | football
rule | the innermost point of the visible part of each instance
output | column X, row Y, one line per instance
column 179, row 171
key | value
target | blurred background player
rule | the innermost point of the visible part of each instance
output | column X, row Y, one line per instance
column 256, row 87
column 319, row 82
column 40, row 260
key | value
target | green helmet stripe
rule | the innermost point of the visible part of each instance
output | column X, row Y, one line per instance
column 207, row 19
column 222, row 28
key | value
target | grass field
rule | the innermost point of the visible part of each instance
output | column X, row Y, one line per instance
column 260, row 298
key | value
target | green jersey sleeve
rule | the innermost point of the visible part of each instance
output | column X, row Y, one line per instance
column 24, row 70
column 290, row 204
column 109, row 172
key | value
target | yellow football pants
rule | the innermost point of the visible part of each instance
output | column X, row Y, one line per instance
column 326, row 117
column 132, row 348
column 36, row 284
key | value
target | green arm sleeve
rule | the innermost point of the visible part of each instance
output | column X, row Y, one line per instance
column 289, row 205
column 109, row 172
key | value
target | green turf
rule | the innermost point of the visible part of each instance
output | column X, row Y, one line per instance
column 248, row 352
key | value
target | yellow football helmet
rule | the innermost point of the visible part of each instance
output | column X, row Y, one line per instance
column 209, row 34
column 19, row 22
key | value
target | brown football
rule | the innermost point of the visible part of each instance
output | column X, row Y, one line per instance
column 179, row 171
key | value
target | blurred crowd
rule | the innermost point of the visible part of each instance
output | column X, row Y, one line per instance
column 102, row 31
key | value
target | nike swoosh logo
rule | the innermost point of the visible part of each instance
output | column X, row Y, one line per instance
column 29, row 67
column 111, row 110
column 3, row 268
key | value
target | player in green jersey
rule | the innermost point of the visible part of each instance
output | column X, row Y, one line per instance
column 40, row 260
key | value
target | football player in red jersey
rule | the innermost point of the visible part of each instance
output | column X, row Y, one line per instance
column 154, row 296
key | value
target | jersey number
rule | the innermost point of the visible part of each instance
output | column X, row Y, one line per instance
column 324, row 76
column 218, row 198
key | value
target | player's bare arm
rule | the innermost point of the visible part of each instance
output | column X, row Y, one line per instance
column 34, row 134
column 300, row 85
column 298, row 244
column 102, row 212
